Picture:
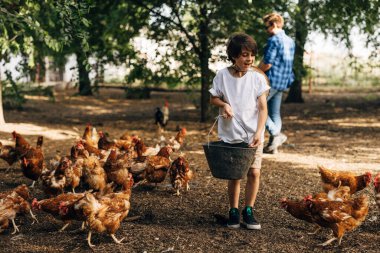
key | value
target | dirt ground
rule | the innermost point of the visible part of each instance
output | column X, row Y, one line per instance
column 338, row 128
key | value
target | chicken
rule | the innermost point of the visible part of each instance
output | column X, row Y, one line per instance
column 180, row 174
column 178, row 140
column 340, row 217
column 162, row 116
column 21, row 190
column 62, row 207
column 73, row 175
column 333, row 179
column 10, row 206
column 54, row 181
column 298, row 209
column 21, row 146
column 341, row 193
column 105, row 213
column 94, row 174
column 8, row 154
column 153, row 169
column 91, row 136
column 377, row 189
column 33, row 163
column 104, row 143
column 116, row 168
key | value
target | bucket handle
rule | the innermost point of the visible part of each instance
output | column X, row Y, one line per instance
column 212, row 127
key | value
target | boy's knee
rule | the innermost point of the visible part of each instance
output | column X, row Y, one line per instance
column 255, row 173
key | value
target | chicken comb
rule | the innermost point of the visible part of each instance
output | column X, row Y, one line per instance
column 35, row 203
column 308, row 197
column 166, row 103
column 368, row 174
column 377, row 180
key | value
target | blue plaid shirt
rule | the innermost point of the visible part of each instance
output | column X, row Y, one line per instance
column 279, row 52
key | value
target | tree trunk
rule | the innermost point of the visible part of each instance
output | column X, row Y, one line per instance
column 84, row 80
column 2, row 120
column 204, row 56
column 295, row 92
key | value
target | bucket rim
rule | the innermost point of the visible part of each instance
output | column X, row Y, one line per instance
column 212, row 144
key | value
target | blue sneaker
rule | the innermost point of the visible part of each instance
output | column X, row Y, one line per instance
column 249, row 220
column 234, row 218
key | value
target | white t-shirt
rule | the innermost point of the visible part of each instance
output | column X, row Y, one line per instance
column 242, row 94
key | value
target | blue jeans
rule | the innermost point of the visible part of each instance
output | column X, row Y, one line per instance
column 274, row 123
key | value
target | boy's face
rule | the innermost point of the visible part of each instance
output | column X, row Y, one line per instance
column 270, row 28
column 245, row 60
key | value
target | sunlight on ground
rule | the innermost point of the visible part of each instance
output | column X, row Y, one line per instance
column 30, row 129
column 313, row 161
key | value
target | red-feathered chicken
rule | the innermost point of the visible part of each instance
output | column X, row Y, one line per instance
column 94, row 174
column 180, row 174
column 21, row 190
column 33, row 163
column 377, row 189
column 21, row 146
column 334, row 179
column 340, row 217
column 8, row 154
column 91, row 136
column 154, row 168
column 62, row 207
column 178, row 140
column 116, row 168
column 10, row 206
column 105, row 213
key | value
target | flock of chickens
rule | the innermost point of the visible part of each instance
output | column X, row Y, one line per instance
column 335, row 208
column 100, row 166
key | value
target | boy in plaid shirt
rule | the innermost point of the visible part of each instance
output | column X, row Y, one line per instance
column 277, row 65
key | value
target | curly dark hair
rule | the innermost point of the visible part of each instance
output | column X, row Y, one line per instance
column 237, row 42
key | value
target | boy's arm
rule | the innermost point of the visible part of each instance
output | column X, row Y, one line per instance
column 263, row 114
column 264, row 67
column 227, row 110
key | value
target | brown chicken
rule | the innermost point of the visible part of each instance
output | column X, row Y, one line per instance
column 94, row 174
column 8, row 154
column 340, row 217
column 178, row 140
column 331, row 180
column 21, row 146
column 377, row 189
column 32, row 162
column 180, row 174
column 54, row 181
column 298, row 209
column 63, row 207
column 341, row 193
column 10, row 206
column 21, row 190
column 104, row 143
column 91, row 136
column 105, row 213
column 116, row 168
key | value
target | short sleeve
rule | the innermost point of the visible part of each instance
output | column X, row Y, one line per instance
column 263, row 85
column 216, row 85
column 270, row 52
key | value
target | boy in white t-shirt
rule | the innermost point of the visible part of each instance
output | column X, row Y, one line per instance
column 240, row 92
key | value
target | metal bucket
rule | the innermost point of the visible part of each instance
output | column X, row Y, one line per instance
column 229, row 161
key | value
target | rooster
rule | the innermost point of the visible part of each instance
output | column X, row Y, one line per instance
column 377, row 189
column 8, row 154
column 162, row 116
column 180, row 174
column 33, row 163
column 333, row 180
column 340, row 217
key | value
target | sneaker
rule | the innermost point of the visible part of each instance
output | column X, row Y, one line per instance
column 234, row 218
column 276, row 142
column 249, row 220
